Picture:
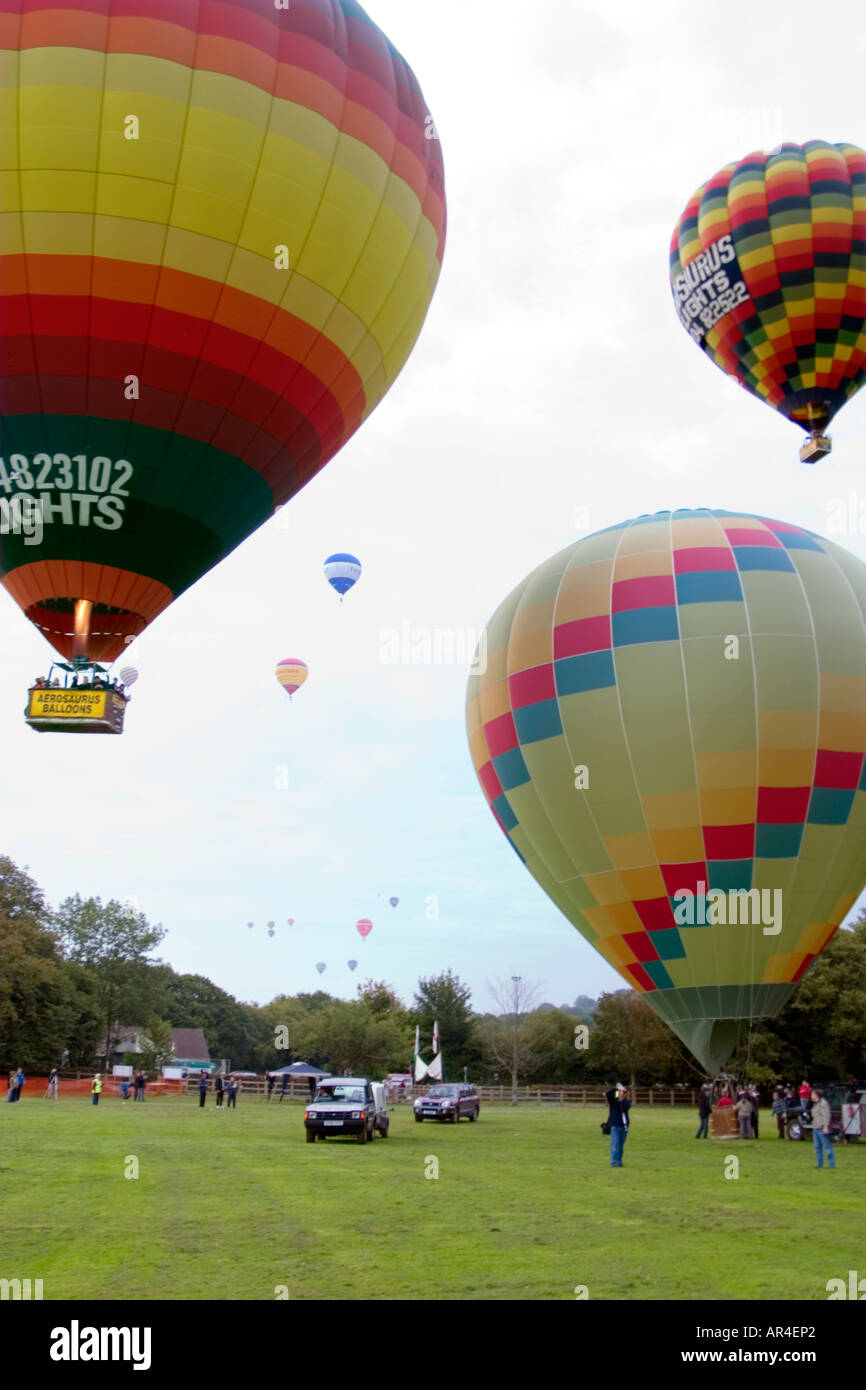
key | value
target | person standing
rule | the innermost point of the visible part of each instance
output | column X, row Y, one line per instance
column 821, row 1118
column 124, row 1088
column 271, row 1082
column 96, row 1088
column 202, row 1088
column 51, row 1088
column 19, row 1081
column 755, row 1095
column 805, row 1094
column 233, row 1093
column 285, row 1086
column 705, row 1109
column 219, row 1087
column 142, row 1076
column 780, row 1110
column 619, row 1105
column 11, row 1086
column 745, row 1110
column 311, row 1082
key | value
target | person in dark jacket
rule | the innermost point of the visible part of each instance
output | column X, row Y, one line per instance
column 780, row 1110
column 284, row 1088
column 618, row 1101
column 219, row 1086
column 271, row 1082
column 233, row 1093
column 705, row 1110
column 202, row 1088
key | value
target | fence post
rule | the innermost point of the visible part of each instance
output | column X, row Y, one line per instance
column 651, row 1095
column 672, row 1098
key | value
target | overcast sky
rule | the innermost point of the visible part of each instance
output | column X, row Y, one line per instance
column 552, row 392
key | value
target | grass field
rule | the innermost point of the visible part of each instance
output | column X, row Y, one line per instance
column 229, row 1205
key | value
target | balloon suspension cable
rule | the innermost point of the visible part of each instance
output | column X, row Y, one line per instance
column 81, row 634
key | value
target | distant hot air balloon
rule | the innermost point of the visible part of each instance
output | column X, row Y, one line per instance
column 321, row 967
column 364, row 927
column 352, row 964
column 291, row 673
column 393, row 901
column 291, row 921
column 257, row 262
column 128, row 675
column 670, row 728
column 250, row 925
column 270, row 931
column 342, row 572
column 767, row 272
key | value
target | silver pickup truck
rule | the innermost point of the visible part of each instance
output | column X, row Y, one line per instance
column 347, row 1105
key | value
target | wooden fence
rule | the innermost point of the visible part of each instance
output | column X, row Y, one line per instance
column 298, row 1090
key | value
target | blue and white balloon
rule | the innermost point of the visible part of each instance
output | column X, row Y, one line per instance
column 342, row 572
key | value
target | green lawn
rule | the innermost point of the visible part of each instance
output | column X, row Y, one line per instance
column 230, row 1205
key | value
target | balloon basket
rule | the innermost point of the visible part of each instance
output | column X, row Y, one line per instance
column 724, row 1123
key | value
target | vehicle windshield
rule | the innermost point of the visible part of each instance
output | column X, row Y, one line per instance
column 354, row 1094
column 438, row 1092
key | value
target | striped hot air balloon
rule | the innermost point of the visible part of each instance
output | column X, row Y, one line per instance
column 364, row 927
column 291, row 673
column 670, row 731
column 128, row 675
column 342, row 572
column 229, row 222
column 768, row 272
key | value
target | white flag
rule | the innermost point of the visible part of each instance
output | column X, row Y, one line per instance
column 435, row 1037
column 434, row 1071
column 417, row 1037
column 420, row 1070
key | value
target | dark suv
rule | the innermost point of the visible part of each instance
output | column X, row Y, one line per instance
column 448, row 1102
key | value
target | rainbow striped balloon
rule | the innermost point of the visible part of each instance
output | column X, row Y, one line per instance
column 225, row 222
column 291, row 673
column 768, row 271
column 670, row 715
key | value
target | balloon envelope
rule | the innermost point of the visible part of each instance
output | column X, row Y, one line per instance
column 352, row 964
column 321, row 967
column 128, row 675
column 291, row 921
column 393, row 901
column 342, row 572
column 767, row 271
column 250, row 925
column 291, row 673
column 364, row 927
column 675, row 709
column 206, row 297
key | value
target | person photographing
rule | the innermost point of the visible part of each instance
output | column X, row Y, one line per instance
column 616, row 1126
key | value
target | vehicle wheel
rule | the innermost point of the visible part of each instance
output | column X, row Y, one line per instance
column 362, row 1137
column 384, row 1132
column 419, row 1119
column 311, row 1138
column 474, row 1116
column 455, row 1117
column 372, row 1132
column 795, row 1129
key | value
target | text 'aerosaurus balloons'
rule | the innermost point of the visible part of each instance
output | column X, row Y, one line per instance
column 768, row 271
column 672, row 716
column 225, row 224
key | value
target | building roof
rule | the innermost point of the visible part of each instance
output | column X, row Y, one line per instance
column 189, row 1042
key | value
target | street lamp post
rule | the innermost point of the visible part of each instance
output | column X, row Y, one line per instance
column 515, row 980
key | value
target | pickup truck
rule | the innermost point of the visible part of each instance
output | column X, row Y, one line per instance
column 352, row 1105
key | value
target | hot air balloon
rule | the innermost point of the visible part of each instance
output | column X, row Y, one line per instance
column 353, row 965
column 291, row 673
column 342, row 572
column 364, row 927
column 768, row 274
column 321, row 967
column 128, row 675
column 393, row 901
column 231, row 221
column 271, row 928
column 291, row 921
column 670, row 728
column 250, row 925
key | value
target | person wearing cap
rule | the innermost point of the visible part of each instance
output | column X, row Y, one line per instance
column 96, row 1087
column 821, row 1118
column 745, row 1110
column 619, row 1103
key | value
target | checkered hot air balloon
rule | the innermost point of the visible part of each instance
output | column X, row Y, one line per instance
column 670, row 731
column 768, row 272
column 229, row 222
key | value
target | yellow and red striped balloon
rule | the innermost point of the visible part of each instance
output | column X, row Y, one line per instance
column 224, row 223
column 291, row 673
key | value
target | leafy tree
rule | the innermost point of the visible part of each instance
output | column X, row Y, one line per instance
column 550, row 1035
column 381, row 999
column 157, row 1045
column 444, row 999
column 37, row 1003
column 107, row 939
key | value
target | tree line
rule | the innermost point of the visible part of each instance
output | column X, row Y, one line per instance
column 70, row 976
